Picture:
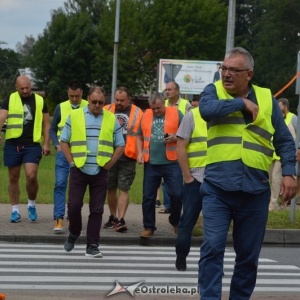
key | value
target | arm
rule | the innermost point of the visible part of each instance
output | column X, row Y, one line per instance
column 139, row 149
column 115, row 157
column 285, row 147
column 3, row 117
column 54, row 128
column 211, row 107
column 65, row 148
column 183, row 159
column 46, row 127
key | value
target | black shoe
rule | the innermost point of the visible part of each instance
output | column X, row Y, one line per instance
column 180, row 263
column 157, row 203
column 70, row 242
column 112, row 221
column 120, row 226
column 93, row 251
column 165, row 211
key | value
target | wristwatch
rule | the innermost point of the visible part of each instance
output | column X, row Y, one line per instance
column 72, row 164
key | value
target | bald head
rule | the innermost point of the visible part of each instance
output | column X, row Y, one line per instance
column 23, row 86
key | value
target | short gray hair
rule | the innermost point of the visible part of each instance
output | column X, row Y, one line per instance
column 156, row 98
column 241, row 51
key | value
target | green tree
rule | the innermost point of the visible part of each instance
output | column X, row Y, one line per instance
column 64, row 52
column 9, row 64
column 271, row 35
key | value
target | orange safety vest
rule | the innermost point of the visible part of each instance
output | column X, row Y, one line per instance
column 134, row 121
column 170, row 126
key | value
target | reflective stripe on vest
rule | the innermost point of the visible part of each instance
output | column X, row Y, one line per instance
column 65, row 111
column 170, row 126
column 78, row 138
column 197, row 148
column 15, row 118
column 134, row 121
column 181, row 105
column 236, row 140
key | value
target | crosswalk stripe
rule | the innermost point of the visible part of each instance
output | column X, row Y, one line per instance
column 49, row 267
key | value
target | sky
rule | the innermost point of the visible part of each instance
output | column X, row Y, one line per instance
column 20, row 18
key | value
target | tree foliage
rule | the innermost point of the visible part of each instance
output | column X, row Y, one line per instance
column 9, row 64
column 79, row 41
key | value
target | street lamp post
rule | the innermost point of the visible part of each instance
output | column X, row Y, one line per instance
column 230, row 25
column 116, row 44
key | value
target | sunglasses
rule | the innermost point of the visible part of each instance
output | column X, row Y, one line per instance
column 97, row 101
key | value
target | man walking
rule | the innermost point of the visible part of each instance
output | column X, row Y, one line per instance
column 242, row 120
column 191, row 153
column 28, row 122
column 156, row 148
column 61, row 112
column 92, row 142
column 121, row 175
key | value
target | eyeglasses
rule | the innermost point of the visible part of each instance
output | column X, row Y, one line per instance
column 232, row 71
column 97, row 101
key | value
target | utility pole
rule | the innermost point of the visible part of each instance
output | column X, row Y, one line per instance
column 230, row 25
column 116, row 45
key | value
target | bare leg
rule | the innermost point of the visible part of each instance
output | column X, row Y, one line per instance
column 112, row 201
column 123, row 202
column 13, row 187
column 32, row 185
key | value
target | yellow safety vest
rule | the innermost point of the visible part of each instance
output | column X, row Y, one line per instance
column 181, row 105
column 65, row 111
column 197, row 148
column 15, row 119
column 78, row 140
column 229, row 138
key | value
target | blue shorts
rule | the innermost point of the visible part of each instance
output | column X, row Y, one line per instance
column 18, row 155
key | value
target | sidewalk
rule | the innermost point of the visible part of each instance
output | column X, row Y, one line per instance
column 42, row 230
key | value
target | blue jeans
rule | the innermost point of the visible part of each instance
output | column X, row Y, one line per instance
column 62, row 170
column 192, row 205
column 167, row 200
column 249, row 213
column 153, row 174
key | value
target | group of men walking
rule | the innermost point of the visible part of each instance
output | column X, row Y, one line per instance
column 219, row 165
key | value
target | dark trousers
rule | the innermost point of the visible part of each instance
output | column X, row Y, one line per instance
column 97, row 184
column 249, row 213
column 192, row 205
column 172, row 176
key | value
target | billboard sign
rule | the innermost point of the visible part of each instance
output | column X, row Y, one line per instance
column 191, row 75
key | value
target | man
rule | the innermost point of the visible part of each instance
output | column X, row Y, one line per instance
column 183, row 105
column 218, row 73
column 275, row 171
column 122, row 173
column 92, row 142
column 156, row 148
column 242, row 119
column 191, row 153
column 195, row 101
column 61, row 112
column 174, row 99
column 28, row 122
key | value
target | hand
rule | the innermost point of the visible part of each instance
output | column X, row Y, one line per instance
column 298, row 155
column 188, row 179
column 288, row 189
column 251, row 108
column 46, row 151
column 140, row 159
column 171, row 138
